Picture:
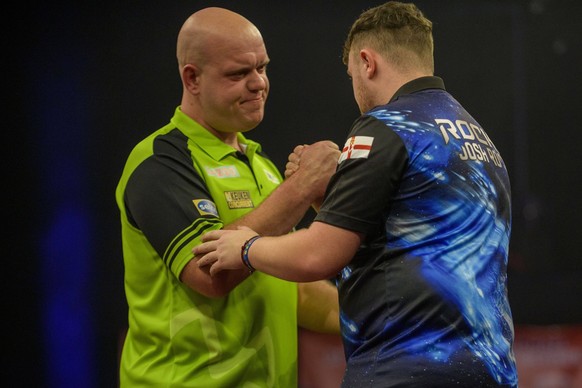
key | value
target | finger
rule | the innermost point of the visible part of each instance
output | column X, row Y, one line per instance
column 204, row 248
column 292, row 167
column 206, row 260
column 212, row 235
column 209, row 236
column 200, row 249
column 214, row 270
column 288, row 173
column 299, row 149
column 294, row 158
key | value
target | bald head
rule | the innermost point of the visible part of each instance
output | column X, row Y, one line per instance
column 223, row 65
column 212, row 30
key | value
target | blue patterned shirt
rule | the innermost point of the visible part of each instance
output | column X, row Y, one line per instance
column 424, row 300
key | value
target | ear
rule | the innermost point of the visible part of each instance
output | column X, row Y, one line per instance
column 191, row 78
column 368, row 59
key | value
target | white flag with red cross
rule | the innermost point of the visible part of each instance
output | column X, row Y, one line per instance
column 356, row 147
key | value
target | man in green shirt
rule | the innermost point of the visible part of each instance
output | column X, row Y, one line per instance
column 200, row 173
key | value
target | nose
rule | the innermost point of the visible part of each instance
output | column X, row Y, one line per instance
column 257, row 81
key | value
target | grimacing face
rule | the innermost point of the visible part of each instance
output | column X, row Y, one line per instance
column 234, row 87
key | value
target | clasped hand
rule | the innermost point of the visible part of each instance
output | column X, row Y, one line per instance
column 317, row 162
column 322, row 155
column 221, row 249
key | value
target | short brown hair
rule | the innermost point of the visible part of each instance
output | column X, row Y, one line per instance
column 396, row 30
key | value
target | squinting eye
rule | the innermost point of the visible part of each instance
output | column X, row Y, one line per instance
column 237, row 76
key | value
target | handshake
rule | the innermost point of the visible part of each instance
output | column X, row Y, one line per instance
column 307, row 174
column 313, row 165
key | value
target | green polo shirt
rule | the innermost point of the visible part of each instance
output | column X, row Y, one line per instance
column 178, row 183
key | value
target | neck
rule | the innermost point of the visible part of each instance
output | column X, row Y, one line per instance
column 229, row 138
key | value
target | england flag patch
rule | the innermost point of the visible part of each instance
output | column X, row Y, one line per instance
column 356, row 147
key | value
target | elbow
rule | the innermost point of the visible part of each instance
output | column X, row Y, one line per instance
column 215, row 287
column 213, row 291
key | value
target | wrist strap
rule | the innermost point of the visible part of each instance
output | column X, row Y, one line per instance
column 244, row 252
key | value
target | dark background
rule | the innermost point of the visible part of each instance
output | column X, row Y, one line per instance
column 84, row 82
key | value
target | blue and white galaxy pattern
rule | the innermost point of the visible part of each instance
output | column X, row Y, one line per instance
column 457, row 229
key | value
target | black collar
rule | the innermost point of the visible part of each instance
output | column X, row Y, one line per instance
column 429, row 82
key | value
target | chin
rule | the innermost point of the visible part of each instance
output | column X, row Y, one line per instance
column 252, row 121
column 249, row 125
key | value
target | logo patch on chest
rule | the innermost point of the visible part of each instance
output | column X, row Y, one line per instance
column 271, row 177
column 222, row 171
column 238, row 199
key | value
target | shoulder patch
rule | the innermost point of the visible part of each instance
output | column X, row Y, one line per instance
column 205, row 207
column 356, row 147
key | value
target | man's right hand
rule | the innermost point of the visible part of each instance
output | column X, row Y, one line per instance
column 293, row 160
column 313, row 165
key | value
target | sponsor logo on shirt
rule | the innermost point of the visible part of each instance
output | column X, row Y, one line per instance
column 356, row 147
column 238, row 199
column 222, row 171
column 272, row 177
column 205, row 207
column 476, row 145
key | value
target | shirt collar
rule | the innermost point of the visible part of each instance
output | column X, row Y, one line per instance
column 206, row 140
column 418, row 84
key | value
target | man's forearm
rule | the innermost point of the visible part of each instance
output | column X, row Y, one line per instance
column 280, row 212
